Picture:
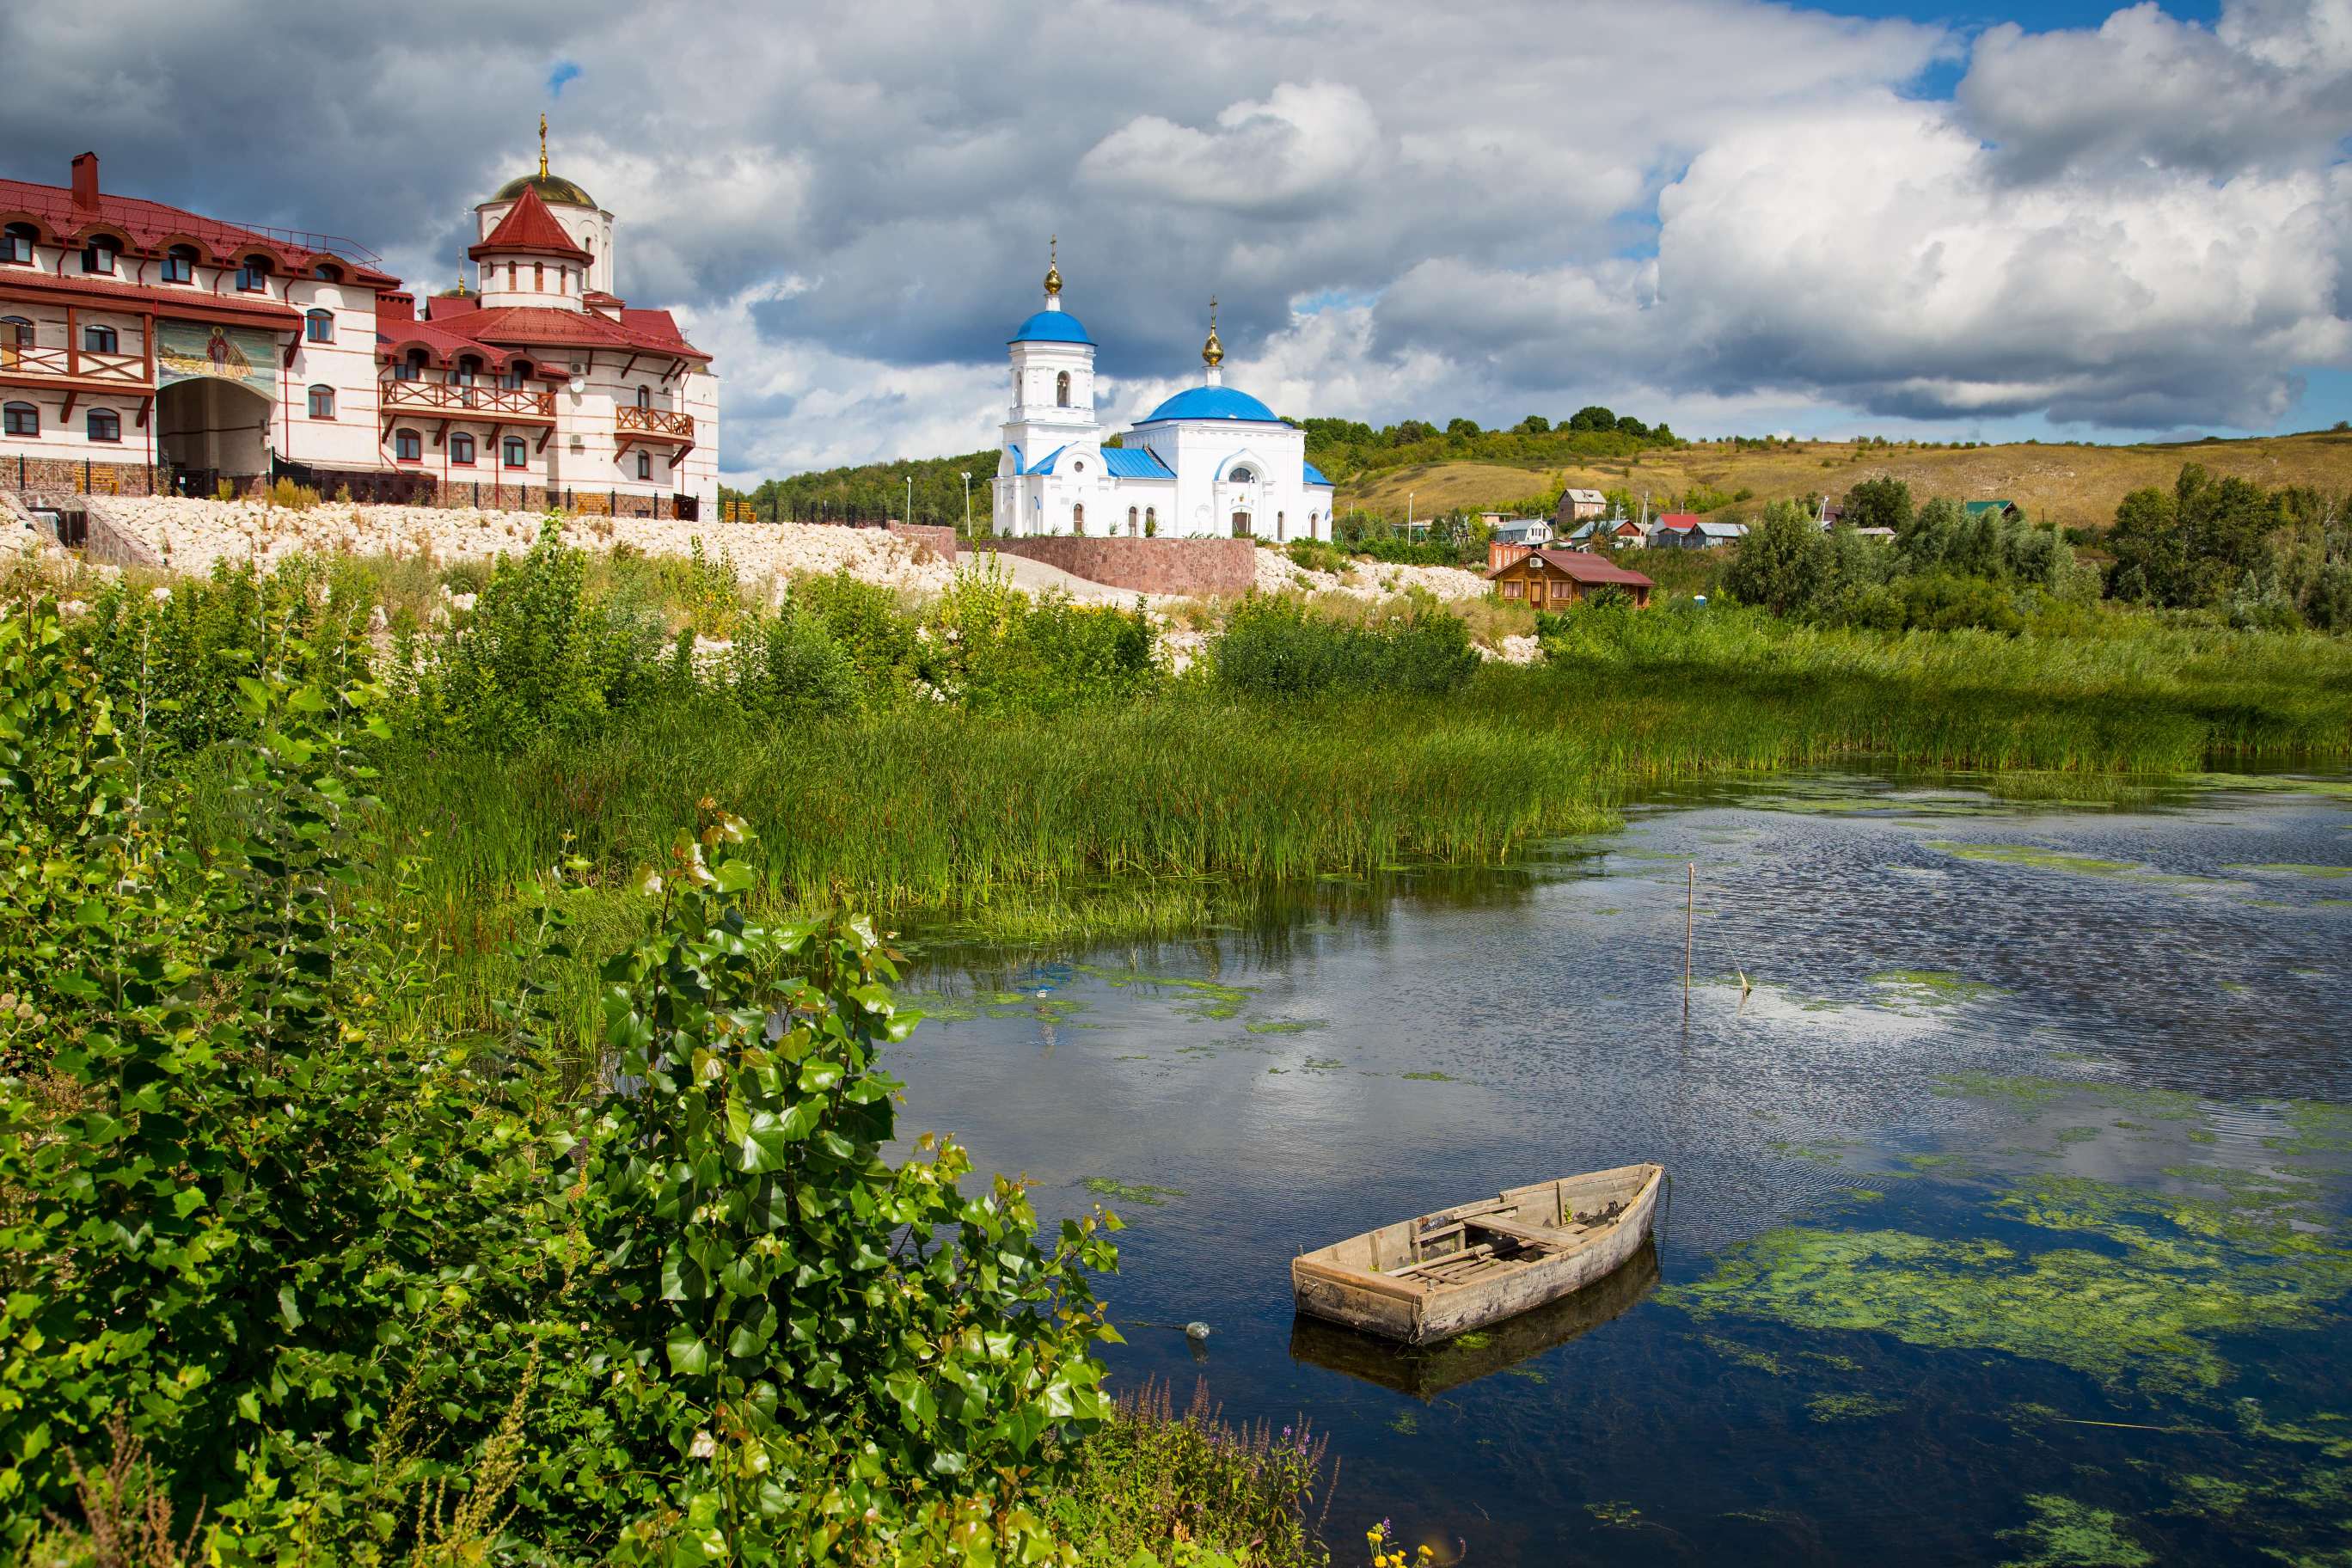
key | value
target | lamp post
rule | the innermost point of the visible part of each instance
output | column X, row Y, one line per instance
column 1408, row 515
column 967, row 506
column 911, row 498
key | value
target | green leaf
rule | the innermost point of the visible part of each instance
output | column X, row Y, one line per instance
column 688, row 1355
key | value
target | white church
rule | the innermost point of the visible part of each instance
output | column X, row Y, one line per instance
column 1210, row 462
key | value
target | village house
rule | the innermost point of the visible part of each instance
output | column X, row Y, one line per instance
column 1616, row 533
column 2005, row 510
column 144, row 350
column 1532, row 530
column 1688, row 530
column 1554, row 579
column 1580, row 505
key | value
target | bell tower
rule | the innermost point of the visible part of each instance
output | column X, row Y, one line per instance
column 1052, row 377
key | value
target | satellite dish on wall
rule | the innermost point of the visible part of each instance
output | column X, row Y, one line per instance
column 579, row 385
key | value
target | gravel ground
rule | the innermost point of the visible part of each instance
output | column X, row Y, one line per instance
column 1276, row 574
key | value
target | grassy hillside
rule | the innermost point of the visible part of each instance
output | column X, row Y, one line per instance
column 2073, row 486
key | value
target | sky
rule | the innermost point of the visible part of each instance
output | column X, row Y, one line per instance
column 1989, row 222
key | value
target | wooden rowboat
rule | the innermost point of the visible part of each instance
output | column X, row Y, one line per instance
column 1428, row 1372
column 1421, row 1280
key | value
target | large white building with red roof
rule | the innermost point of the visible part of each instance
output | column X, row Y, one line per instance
column 146, row 350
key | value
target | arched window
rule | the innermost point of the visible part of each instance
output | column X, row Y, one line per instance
column 1062, row 390
column 97, row 256
column 322, row 402
column 645, row 465
column 1278, row 535
column 1150, row 520
column 1240, row 476
column 461, row 449
column 253, row 275
column 103, row 425
column 1078, row 517
column 410, row 367
column 326, row 272
column 318, row 326
column 644, row 397
column 20, row 419
column 180, row 264
column 538, row 276
column 99, row 341
column 465, row 371
column 407, row 447
column 517, row 452
column 1130, row 522
column 16, row 243
column 510, row 274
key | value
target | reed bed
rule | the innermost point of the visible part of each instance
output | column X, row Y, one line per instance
column 933, row 813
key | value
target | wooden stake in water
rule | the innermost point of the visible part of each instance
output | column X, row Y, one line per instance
column 1689, row 898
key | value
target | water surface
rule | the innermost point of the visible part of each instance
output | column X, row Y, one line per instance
column 2007, row 1222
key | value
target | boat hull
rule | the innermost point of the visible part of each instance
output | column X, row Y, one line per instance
column 1350, row 1283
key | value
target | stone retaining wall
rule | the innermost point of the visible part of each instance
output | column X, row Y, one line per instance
column 1195, row 568
column 72, row 476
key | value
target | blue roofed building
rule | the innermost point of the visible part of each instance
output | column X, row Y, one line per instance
column 1210, row 462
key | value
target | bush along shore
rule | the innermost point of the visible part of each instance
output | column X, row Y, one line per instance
column 295, row 1276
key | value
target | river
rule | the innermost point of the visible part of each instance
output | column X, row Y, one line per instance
column 2009, row 1218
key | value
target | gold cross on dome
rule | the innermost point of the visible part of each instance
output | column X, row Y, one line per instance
column 543, row 144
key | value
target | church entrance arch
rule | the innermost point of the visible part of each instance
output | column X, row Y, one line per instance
column 209, row 429
column 1241, row 525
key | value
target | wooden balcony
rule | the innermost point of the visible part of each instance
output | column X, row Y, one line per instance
column 652, row 424
column 81, row 369
column 499, row 404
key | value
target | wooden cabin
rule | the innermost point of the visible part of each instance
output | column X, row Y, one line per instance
column 1555, row 579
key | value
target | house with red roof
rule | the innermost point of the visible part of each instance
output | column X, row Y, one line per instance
column 145, row 349
column 1555, row 579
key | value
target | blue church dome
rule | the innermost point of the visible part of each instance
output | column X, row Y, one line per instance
column 1052, row 327
column 1211, row 402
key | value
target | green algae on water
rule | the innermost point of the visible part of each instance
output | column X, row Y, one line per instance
column 2289, row 869
column 1932, row 987
column 1197, row 998
column 2064, row 1534
column 1432, row 1076
column 1828, row 1407
column 1754, row 1360
column 2033, row 855
column 1286, row 1026
column 1615, row 1514
column 2131, row 1288
column 1131, row 1192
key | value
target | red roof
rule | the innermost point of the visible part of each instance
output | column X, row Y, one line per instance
column 529, row 227
column 441, row 342
column 1583, row 567
column 151, row 225
column 196, row 304
column 531, row 326
column 1678, row 520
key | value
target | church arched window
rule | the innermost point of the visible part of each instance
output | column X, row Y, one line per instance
column 1062, row 390
column 1240, row 476
column 1278, row 535
column 1077, row 512
column 1130, row 522
column 1150, row 521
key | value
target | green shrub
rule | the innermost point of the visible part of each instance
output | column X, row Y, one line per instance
column 791, row 666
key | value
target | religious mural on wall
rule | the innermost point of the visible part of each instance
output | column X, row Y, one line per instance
column 193, row 351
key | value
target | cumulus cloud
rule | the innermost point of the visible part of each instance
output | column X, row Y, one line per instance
column 2271, row 86
column 1302, row 145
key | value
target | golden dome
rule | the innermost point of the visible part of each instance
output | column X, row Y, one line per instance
column 1212, row 352
column 1053, row 270
column 550, row 187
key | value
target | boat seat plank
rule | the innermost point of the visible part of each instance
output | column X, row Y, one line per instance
column 1532, row 1235
column 1428, row 1265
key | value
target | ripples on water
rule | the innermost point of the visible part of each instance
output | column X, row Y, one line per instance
column 1978, row 1034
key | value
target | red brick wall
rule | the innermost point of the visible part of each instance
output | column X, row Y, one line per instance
column 1204, row 568
column 942, row 540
